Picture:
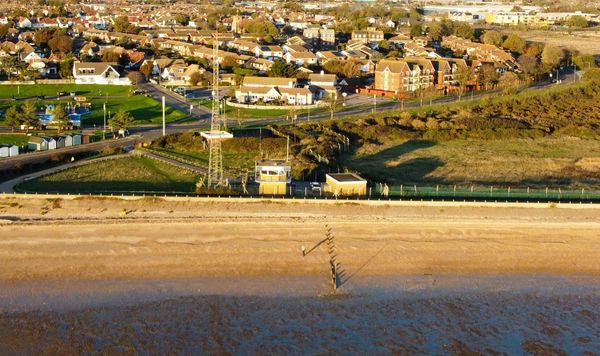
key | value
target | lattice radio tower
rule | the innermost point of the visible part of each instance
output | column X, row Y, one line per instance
column 215, row 158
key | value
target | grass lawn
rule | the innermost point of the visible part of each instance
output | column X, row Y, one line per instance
column 145, row 110
column 554, row 162
column 14, row 139
column 131, row 174
column 20, row 91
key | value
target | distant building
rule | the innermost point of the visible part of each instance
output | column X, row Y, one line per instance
column 345, row 184
column 98, row 73
column 273, row 176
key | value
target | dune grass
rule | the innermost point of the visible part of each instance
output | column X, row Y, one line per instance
column 555, row 162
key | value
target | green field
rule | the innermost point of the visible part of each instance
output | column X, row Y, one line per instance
column 144, row 110
column 14, row 139
column 24, row 91
column 131, row 174
column 555, row 162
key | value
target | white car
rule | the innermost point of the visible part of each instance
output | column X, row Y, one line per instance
column 315, row 186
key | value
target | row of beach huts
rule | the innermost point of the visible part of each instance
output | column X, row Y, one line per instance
column 46, row 143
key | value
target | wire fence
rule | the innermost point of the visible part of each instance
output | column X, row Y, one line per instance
column 485, row 193
column 375, row 192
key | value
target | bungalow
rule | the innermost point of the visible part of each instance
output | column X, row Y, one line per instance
column 323, row 83
column 98, row 73
column 43, row 143
column 345, row 184
column 301, row 58
column 289, row 96
column 269, row 82
column 9, row 150
column 269, row 52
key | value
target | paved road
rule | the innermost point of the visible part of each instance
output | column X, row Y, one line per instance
column 176, row 101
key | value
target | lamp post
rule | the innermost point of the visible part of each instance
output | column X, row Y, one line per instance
column 104, row 126
column 344, row 96
column 374, row 103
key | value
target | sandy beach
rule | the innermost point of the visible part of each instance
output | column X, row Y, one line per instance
column 113, row 275
column 112, row 238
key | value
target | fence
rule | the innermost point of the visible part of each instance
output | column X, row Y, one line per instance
column 485, row 193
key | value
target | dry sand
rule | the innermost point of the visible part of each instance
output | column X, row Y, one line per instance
column 116, row 276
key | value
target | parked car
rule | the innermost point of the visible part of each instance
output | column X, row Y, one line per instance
column 315, row 186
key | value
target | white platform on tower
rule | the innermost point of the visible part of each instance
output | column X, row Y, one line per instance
column 216, row 135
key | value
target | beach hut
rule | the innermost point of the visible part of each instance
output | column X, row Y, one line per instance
column 68, row 140
column 76, row 139
column 9, row 150
column 345, row 184
column 60, row 141
column 42, row 143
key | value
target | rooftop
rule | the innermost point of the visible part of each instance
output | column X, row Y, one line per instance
column 346, row 177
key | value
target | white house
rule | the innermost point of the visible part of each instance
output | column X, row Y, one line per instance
column 98, row 73
column 9, row 150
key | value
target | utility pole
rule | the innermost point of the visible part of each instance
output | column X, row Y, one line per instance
column 164, row 128
column 104, row 126
column 215, row 157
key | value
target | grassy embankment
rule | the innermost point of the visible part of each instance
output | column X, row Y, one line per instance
column 132, row 174
column 536, row 138
column 239, row 154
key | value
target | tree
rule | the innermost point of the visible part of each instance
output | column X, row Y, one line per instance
column 464, row 76
column 577, row 21
column 464, row 30
column 331, row 101
column 492, row 37
column 63, row 44
column 30, row 116
column 195, row 78
column 437, row 30
column 584, row 61
column 182, row 19
column 592, row 75
column 121, row 24
column 13, row 117
column 514, row 44
column 4, row 30
column 552, row 55
column 351, row 69
column 146, row 69
column 42, row 37
column 509, row 82
column 282, row 69
column 488, row 76
column 121, row 120
column 528, row 63
column 229, row 62
column 416, row 30
column 60, row 118
column 66, row 66
column 135, row 77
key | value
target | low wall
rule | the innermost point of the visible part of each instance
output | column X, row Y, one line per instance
column 272, row 107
